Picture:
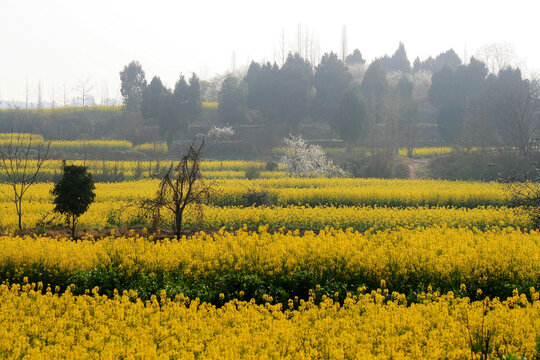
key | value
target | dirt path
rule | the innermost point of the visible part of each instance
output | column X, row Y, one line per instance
column 415, row 165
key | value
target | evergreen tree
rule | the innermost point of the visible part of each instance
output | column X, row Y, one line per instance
column 399, row 61
column 73, row 194
column 374, row 89
column 232, row 102
column 150, row 105
column 332, row 79
column 452, row 92
column 355, row 58
column 351, row 116
column 264, row 90
column 295, row 83
column 133, row 84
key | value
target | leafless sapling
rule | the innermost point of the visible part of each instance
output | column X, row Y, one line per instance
column 21, row 160
column 181, row 185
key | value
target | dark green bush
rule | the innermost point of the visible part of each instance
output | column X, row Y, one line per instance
column 258, row 198
column 253, row 172
column 271, row 166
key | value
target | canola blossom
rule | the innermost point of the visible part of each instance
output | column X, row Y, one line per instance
column 318, row 191
column 495, row 261
column 52, row 325
column 126, row 214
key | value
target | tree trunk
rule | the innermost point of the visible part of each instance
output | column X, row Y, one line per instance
column 73, row 227
column 19, row 211
column 178, row 223
column 155, row 220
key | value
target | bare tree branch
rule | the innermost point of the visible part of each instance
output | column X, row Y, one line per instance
column 20, row 167
column 180, row 186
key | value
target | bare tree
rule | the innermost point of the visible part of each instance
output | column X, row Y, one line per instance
column 105, row 100
column 27, row 95
column 498, row 56
column 181, row 186
column 64, row 94
column 344, row 43
column 53, row 97
column 84, row 87
column 20, row 162
column 280, row 52
column 39, row 97
column 517, row 108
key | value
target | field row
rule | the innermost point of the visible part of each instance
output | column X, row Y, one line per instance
column 133, row 170
column 35, row 141
column 317, row 191
column 122, row 214
column 50, row 325
column 284, row 263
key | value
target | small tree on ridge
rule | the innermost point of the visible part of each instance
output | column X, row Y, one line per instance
column 73, row 193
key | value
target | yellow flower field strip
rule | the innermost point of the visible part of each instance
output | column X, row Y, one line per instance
column 82, row 146
column 23, row 136
column 152, row 147
column 64, row 109
column 50, row 325
column 123, row 213
column 441, row 256
column 419, row 152
column 130, row 167
column 104, row 108
column 316, row 191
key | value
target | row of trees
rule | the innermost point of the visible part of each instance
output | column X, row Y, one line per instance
column 360, row 105
column 386, row 104
column 357, row 101
column 476, row 108
column 380, row 106
column 169, row 109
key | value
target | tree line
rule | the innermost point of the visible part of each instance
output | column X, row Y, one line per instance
column 384, row 105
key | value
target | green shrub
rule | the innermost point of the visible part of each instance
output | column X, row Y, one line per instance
column 257, row 198
column 271, row 166
column 253, row 172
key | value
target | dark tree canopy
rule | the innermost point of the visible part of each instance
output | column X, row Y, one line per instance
column 332, row 79
column 150, row 105
column 172, row 111
column 133, row 84
column 351, row 115
column 374, row 84
column 73, row 193
column 264, row 90
column 516, row 104
column 397, row 62
column 280, row 94
column 296, row 81
column 452, row 91
column 355, row 58
column 448, row 58
column 232, row 102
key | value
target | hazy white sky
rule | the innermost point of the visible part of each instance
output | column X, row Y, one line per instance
column 65, row 41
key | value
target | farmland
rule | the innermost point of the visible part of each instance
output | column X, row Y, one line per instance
column 168, row 190
column 415, row 261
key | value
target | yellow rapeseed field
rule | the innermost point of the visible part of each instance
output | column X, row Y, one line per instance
column 441, row 256
column 37, row 325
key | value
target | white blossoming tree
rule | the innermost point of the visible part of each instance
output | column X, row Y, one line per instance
column 300, row 159
column 220, row 133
